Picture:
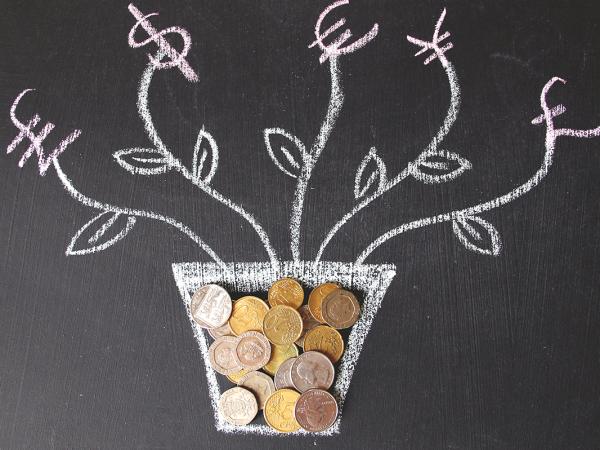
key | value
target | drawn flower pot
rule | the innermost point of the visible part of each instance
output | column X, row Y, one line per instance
column 369, row 282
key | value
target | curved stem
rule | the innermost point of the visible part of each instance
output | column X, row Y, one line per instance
column 336, row 102
column 87, row 201
column 144, row 112
column 433, row 145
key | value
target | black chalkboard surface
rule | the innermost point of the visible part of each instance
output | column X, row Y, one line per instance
column 440, row 158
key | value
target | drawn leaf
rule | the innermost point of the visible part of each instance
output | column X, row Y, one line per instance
column 206, row 158
column 142, row 161
column 477, row 234
column 439, row 166
column 370, row 172
column 289, row 155
column 101, row 232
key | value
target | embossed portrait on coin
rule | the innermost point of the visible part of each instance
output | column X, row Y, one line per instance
column 341, row 308
column 251, row 349
column 312, row 373
column 224, row 356
column 316, row 414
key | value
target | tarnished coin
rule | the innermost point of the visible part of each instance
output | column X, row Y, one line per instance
column 282, row 325
column 238, row 406
column 283, row 377
column 279, row 354
column 340, row 309
column 247, row 314
column 286, row 291
column 316, row 410
column 211, row 306
column 325, row 340
column 260, row 384
column 279, row 411
column 222, row 355
column 312, row 370
column 316, row 296
column 224, row 330
column 253, row 350
column 308, row 323
column 237, row 376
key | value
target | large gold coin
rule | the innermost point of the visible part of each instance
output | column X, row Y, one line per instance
column 325, row 340
column 315, row 299
column 282, row 325
column 279, row 354
column 247, row 315
column 279, row 410
column 286, row 292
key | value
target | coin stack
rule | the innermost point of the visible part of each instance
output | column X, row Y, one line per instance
column 256, row 346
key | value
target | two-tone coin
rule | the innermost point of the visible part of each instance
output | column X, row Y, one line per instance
column 282, row 325
column 221, row 354
column 316, row 296
column 286, row 291
column 316, row 410
column 247, row 315
column 326, row 340
column 279, row 354
column 238, row 406
column 340, row 309
column 279, row 410
column 260, row 384
column 211, row 306
column 283, row 376
column 312, row 370
column 308, row 323
column 252, row 351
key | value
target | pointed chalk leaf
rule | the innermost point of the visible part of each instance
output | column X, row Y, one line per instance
column 142, row 161
column 101, row 232
column 439, row 166
column 289, row 155
column 370, row 172
column 477, row 234
column 206, row 158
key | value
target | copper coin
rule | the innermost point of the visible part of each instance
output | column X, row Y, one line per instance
column 316, row 410
column 312, row 370
column 260, row 384
column 253, row 350
column 286, row 291
column 211, row 306
column 221, row 354
column 308, row 323
column 316, row 296
column 224, row 330
column 283, row 376
column 340, row 309
column 238, row 406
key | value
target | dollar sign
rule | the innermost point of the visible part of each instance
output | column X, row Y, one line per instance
column 176, row 59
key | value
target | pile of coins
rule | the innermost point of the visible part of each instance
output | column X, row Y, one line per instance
column 256, row 346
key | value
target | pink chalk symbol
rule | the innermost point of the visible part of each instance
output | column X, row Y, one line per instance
column 26, row 131
column 177, row 59
column 335, row 47
column 438, row 52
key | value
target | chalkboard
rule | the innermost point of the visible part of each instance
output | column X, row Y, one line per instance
column 441, row 159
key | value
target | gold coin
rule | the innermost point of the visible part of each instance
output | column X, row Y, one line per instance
column 280, row 353
column 279, row 410
column 237, row 376
column 282, row 325
column 247, row 315
column 325, row 340
column 315, row 299
column 286, row 291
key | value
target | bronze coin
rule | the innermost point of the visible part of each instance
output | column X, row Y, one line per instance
column 312, row 370
column 283, row 376
column 308, row 323
column 253, row 350
column 211, row 306
column 340, row 309
column 316, row 296
column 221, row 354
column 316, row 410
column 286, row 291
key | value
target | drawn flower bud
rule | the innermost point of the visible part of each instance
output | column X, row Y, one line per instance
column 477, row 235
column 203, row 171
column 371, row 175
column 142, row 161
column 104, row 230
column 286, row 150
column 438, row 166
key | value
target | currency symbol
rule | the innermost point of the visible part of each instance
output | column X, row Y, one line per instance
column 176, row 59
column 335, row 48
column 26, row 131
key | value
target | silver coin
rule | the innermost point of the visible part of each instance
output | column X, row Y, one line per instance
column 211, row 306
column 283, row 376
column 238, row 406
column 224, row 330
column 312, row 370
column 221, row 354
column 260, row 384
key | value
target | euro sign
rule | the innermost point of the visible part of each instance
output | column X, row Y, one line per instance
column 165, row 50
